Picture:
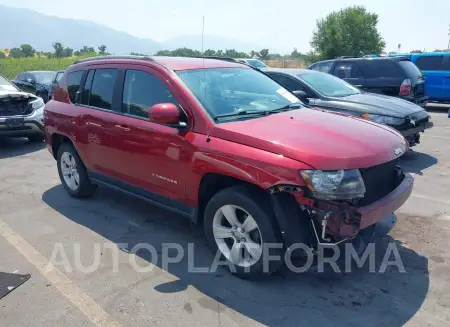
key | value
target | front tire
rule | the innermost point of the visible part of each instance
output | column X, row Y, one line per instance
column 72, row 172
column 240, row 223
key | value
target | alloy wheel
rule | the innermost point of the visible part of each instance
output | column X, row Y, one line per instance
column 69, row 171
column 237, row 235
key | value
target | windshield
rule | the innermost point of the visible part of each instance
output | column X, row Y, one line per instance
column 6, row 85
column 329, row 85
column 256, row 63
column 224, row 91
column 44, row 77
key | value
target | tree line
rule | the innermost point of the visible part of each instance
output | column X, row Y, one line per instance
column 59, row 51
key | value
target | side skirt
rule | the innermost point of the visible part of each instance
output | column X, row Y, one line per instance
column 151, row 197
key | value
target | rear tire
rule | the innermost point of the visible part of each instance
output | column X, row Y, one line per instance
column 73, row 173
column 240, row 223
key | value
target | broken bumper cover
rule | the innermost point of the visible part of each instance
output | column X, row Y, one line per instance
column 375, row 212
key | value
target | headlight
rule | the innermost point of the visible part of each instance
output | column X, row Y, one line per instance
column 385, row 119
column 334, row 185
column 38, row 103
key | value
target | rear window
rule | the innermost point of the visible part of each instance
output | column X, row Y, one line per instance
column 102, row 89
column 73, row 84
column 410, row 69
column 430, row 63
column 379, row 68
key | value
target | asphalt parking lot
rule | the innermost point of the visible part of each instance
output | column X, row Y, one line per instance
column 36, row 215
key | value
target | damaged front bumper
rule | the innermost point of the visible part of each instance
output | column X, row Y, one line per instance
column 332, row 223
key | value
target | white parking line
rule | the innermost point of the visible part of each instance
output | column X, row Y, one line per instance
column 436, row 137
column 421, row 196
column 72, row 292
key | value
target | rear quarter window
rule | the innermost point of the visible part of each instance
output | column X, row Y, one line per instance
column 73, row 84
column 381, row 68
column 410, row 69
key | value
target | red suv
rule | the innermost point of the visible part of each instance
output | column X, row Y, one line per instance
column 226, row 146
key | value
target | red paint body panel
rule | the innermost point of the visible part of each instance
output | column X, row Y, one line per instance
column 323, row 140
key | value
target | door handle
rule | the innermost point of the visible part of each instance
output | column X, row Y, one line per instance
column 93, row 124
column 358, row 85
column 123, row 128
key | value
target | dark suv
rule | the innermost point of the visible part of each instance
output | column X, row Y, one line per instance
column 393, row 76
column 226, row 146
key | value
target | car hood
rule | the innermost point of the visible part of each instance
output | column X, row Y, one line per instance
column 377, row 104
column 323, row 140
column 15, row 94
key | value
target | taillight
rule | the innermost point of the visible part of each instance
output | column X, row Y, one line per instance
column 405, row 88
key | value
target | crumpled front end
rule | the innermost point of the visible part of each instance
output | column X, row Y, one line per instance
column 333, row 222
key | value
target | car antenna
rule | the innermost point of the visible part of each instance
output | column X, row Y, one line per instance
column 203, row 34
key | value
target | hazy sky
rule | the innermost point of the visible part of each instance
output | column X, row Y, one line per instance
column 280, row 25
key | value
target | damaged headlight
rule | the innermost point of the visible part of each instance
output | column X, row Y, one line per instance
column 334, row 185
column 38, row 107
column 385, row 119
column 36, row 104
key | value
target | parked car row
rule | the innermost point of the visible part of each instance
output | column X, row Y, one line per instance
column 434, row 67
column 325, row 91
column 228, row 147
column 40, row 83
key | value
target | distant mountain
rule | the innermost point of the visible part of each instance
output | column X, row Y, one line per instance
column 22, row 26
column 27, row 26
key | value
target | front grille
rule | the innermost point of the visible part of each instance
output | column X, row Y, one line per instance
column 379, row 181
column 15, row 108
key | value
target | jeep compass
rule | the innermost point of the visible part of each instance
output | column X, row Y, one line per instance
column 227, row 147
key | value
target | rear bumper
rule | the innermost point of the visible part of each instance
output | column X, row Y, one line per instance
column 420, row 101
column 375, row 212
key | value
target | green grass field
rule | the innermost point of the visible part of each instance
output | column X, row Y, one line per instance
column 10, row 67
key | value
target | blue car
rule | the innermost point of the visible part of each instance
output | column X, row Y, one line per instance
column 435, row 67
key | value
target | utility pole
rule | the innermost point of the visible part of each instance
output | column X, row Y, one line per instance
column 203, row 31
column 448, row 47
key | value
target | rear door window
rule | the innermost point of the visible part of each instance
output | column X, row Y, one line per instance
column 381, row 68
column 102, row 89
column 345, row 70
column 430, row 63
column 86, row 93
column 324, row 67
column 73, row 84
column 286, row 82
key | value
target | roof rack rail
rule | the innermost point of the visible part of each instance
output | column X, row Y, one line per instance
column 345, row 57
column 212, row 57
column 113, row 57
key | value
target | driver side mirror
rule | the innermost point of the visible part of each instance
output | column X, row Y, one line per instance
column 167, row 114
column 301, row 95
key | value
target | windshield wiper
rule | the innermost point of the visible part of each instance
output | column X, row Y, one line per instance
column 288, row 107
column 261, row 112
column 243, row 113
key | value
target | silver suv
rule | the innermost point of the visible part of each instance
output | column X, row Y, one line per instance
column 21, row 113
